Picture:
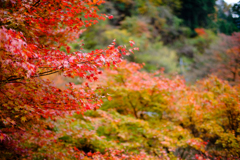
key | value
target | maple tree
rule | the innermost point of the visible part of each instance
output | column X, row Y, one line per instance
column 32, row 37
column 224, row 54
column 228, row 60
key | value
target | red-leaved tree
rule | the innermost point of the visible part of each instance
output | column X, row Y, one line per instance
column 31, row 35
column 228, row 61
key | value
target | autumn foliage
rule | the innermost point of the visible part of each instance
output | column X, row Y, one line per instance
column 200, row 121
column 143, row 115
column 32, row 37
column 228, row 60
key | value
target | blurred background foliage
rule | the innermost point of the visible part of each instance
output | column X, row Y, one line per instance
column 178, row 35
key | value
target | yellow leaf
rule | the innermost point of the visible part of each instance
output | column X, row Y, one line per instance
column 23, row 119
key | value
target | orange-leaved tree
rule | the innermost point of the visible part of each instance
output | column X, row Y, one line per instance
column 33, row 34
column 139, row 93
